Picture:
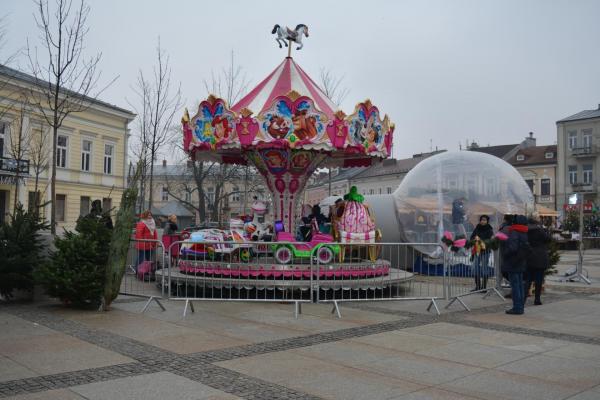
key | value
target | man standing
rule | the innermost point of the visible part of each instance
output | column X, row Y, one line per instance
column 515, row 251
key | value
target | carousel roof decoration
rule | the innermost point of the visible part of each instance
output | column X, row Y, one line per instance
column 287, row 127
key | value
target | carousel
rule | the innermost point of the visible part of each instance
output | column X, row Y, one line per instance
column 286, row 128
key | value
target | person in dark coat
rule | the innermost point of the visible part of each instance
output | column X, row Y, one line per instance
column 171, row 225
column 481, row 256
column 539, row 259
column 514, row 253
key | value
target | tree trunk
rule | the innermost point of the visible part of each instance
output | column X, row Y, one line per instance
column 53, row 180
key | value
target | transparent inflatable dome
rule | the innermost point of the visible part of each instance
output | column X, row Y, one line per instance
column 451, row 190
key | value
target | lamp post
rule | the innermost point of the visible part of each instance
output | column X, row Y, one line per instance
column 578, row 272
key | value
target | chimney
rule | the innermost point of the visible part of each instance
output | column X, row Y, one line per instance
column 164, row 163
column 529, row 141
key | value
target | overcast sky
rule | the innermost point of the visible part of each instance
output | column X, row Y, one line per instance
column 444, row 71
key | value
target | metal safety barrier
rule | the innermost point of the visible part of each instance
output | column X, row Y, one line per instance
column 239, row 271
column 381, row 272
column 470, row 274
column 142, row 277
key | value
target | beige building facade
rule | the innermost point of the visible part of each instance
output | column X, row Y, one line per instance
column 578, row 167
column 91, row 153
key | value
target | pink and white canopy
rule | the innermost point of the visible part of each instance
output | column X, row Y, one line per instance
column 286, row 77
column 287, row 127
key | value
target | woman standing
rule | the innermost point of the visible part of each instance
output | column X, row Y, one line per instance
column 145, row 236
column 481, row 256
column 539, row 260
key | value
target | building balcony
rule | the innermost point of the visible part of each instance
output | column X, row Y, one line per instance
column 590, row 187
column 587, row 151
column 8, row 164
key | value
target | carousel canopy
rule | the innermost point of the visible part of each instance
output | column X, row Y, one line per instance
column 286, row 127
column 286, row 77
column 288, row 111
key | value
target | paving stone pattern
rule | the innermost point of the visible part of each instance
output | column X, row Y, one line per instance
column 200, row 366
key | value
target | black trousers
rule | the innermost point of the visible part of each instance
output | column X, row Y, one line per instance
column 534, row 276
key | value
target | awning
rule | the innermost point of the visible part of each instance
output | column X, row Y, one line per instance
column 545, row 211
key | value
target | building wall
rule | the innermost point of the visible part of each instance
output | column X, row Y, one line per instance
column 566, row 158
column 385, row 184
column 536, row 174
column 100, row 125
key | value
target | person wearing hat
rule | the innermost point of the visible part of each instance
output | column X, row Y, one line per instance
column 514, row 254
column 481, row 256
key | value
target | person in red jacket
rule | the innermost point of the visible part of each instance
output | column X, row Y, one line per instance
column 145, row 230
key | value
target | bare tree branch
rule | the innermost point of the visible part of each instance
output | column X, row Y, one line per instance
column 66, row 81
column 333, row 86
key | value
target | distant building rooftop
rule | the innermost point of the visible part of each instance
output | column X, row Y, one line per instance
column 26, row 78
column 498, row 151
column 585, row 114
column 538, row 155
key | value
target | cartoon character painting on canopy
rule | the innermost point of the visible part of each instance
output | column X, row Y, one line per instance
column 287, row 127
column 367, row 130
column 213, row 126
column 296, row 121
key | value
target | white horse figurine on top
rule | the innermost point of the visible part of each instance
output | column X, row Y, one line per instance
column 283, row 35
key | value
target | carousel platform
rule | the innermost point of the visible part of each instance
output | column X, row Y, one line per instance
column 363, row 275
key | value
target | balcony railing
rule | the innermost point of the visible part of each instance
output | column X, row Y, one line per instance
column 588, row 187
column 13, row 165
column 587, row 151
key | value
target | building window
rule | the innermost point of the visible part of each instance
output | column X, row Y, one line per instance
column 108, row 158
column 61, row 203
column 371, row 191
column 165, row 194
column 61, row 151
column 587, row 139
column 572, row 140
column 106, row 204
column 389, row 190
column 520, row 157
column 545, row 187
column 188, row 197
column 587, row 173
column 235, row 197
column 529, row 183
column 572, row 174
column 86, row 155
column 3, row 132
column 380, row 190
column 549, row 155
column 84, row 206
column 210, row 195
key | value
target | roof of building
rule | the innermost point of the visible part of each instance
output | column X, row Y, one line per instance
column 534, row 156
column 585, row 114
column 26, row 78
column 175, row 207
column 392, row 166
column 286, row 77
column 498, row 151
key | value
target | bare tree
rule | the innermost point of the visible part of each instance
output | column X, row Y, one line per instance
column 333, row 86
column 18, row 148
column 38, row 160
column 141, row 143
column 158, row 103
column 66, row 81
column 231, row 84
